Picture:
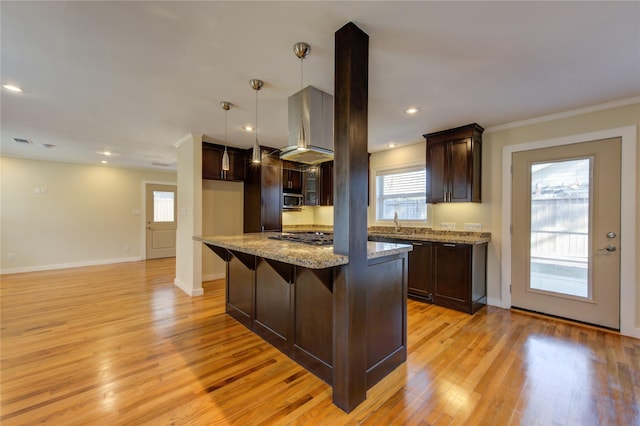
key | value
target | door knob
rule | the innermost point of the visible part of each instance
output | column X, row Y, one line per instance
column 611, row 234
column 610, row 247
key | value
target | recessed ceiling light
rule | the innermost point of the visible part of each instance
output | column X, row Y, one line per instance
column 248, row 128
column 12, row 88
column 104, row 161
column 411, row 110
column 391, row 144
column 107, row 153
column 48, row 145
column 24, row 141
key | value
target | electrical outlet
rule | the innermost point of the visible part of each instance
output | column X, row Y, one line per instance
column 473, row 227
column 11, row 256
column 125, row 248
column 450, row 226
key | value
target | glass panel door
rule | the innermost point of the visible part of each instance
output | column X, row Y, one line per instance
column 560, row 210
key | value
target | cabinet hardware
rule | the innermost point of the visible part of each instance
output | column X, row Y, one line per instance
column 448, row 245
column 417, row 244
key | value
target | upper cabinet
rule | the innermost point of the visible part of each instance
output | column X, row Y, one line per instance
column 326, row 184
column 212, row 163
column 291, row 176
column 454, row 166
column 317, row 185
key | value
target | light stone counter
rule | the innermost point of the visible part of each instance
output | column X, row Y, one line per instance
column 410, row 234
column 299, row 254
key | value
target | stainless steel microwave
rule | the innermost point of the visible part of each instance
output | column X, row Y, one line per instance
column 292, row 201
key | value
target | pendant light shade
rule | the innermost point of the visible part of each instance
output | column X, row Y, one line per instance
column 256, row 85
column 301, row 50
column 226, row 106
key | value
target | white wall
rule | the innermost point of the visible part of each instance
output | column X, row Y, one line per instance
column 489, row 212
column 222, row 214
column 189, row 252
column 87, row 214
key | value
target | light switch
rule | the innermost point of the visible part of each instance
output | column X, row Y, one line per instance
column 473, row 227
column 450, row 226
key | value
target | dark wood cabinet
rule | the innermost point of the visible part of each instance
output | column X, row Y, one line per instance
column 263, row 192
column 326, row 184
column 212, row 163
column 291, row 177
column 459, row 276
column 446, row 274
column 420, row 267
column 453, row 165
column 420, row 274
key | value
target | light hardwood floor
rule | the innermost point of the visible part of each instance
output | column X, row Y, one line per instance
column 120, row 345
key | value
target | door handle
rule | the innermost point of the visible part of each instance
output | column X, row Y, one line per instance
column 609, row 248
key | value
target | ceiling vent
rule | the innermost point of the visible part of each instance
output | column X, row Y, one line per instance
column 25, row 141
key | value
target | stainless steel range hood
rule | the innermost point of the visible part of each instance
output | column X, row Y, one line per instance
column 316, row 108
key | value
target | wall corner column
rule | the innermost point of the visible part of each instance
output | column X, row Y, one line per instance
column 189, row 252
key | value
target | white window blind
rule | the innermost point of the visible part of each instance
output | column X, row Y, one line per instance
column 401, row 191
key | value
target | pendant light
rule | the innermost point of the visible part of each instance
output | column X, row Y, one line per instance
column 256, row 85
column 226, row 106
column 301, row 50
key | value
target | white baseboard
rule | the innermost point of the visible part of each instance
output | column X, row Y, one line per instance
column 491, row 301
column 37, row 268
column 189, row 291
column 212, row 277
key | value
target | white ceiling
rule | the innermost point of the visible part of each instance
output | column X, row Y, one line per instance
column 134, row 77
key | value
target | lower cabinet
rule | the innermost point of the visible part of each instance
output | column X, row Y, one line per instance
column 446, row 274
column 460, row 276
column 420, row 276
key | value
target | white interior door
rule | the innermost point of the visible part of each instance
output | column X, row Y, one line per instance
column 566, row 231
column 161, row 213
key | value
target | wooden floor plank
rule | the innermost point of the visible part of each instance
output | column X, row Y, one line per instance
column 121, row 345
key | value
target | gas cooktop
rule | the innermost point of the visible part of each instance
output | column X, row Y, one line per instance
column 310, row 237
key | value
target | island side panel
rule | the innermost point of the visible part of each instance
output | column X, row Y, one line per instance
column 313, row 344
column 240, row 291
column 386, row 316
column 273, row 305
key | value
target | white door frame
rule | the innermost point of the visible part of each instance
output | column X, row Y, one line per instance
column 627, row 217
column 143, row 210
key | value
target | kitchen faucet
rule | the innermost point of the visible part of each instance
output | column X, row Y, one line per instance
column 396, row 221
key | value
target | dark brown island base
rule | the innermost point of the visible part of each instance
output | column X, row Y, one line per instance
column 284, row 292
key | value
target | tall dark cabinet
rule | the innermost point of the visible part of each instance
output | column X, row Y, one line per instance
column 454, row 166
column 263, row 192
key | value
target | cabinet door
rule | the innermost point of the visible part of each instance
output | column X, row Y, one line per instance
column 460, row 177
column 211, row 163
column 291, row 176
column 237, row 165
column 436, row 172
column 452, row 270
column 271, row 203
column 420, row 275
column 311, row 186
column 326, row 184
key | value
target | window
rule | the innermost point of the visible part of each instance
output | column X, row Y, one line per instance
column 163, row 206
column 401, row 191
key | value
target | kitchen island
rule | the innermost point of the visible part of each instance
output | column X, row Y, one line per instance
column 284, row 292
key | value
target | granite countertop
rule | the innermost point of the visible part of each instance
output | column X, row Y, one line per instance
column 430, row 235
column 305, row 255
column 410, row 234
